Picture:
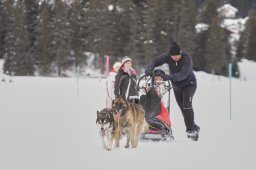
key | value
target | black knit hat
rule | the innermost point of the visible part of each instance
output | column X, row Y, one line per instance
column 175, row 49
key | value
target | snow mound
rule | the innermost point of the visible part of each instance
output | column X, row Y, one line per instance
column 247, row 69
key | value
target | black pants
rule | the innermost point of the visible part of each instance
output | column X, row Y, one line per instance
column 184, row 98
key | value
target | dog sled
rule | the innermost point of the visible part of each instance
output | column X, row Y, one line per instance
column 153, row 90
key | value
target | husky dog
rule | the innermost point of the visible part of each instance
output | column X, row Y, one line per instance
column 131, row 120
column 108, row 128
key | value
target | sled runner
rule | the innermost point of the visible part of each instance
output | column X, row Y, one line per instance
column 157, row 113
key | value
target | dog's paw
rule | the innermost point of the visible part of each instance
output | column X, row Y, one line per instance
column 108, row 149
column 127, row 146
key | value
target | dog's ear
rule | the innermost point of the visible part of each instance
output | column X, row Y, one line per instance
column 97, row 112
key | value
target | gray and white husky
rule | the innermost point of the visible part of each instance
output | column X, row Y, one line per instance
column 108, row 128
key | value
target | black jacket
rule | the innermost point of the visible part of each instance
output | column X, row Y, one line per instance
column 181, row 72
column 122, row 81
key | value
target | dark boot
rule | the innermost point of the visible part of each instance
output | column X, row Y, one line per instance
column 168, row 135
column 193, row 134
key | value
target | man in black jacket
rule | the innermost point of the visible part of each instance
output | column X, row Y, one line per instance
column 183, row 81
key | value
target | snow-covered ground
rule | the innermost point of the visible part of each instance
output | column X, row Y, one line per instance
column 247, row 70
column 45, row 126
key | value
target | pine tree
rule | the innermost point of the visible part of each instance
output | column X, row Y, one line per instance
column 2, row 32
column 78, row 20
column 216, row 48
column 61, row 37
column 123, row 26
column 250, row 49
column 45, row 51
column 198, row 56
column 186, row 31
column 240, row 52
column 18, row 58
column 216, row 59
column 149, row 44
column 137, row 31
column 243, row 6
column 31, row 14
column 206, row 14
column 9, row 39
column 95, row 28
column 109, row 35
column 165, row 25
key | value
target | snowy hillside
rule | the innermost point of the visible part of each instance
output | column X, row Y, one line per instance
column 247, row 70
column 45, row 126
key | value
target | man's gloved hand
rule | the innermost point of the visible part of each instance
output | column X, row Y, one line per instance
column 166, row 77
column 148, row 72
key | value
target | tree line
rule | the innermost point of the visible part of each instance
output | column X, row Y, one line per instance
column 43, row 38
